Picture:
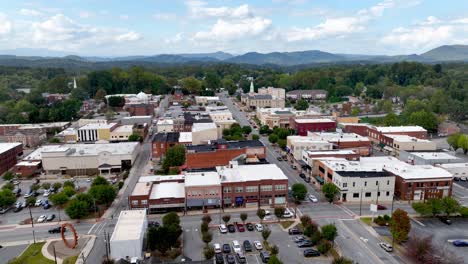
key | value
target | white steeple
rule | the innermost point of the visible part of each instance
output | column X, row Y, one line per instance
column 252, row 87
column 74, row 83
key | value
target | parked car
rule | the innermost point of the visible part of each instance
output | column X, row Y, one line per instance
column 17, row 209
column 16, row 182
column 219, row 258
column 241, row 258
column 231, row 228
column 294, row 231
column 38, row 202
column 230, row 259
column 153, row 224
column 24, row 204
column 313, row 199
column 265, row 256
column 46, row 205
column 302, row 175
column 258, row 245
column 259, row 227
column 249, row 226
column 445, row 220
column 217, row 248
column 247, row 246
column 226, row 248
column 50, row 217
column 460, row 243
column 305, row 243
column 298, row 239
column 287, row 213
column 236, row 246
column 381, row 207
column 294, row 167
column 4, row 210
column 311, row 253
column 279, row 159
column 41, row 218
column 307, row 179
column 46, row 193
column 223, row 229
column 240, row 227
column 386, row 247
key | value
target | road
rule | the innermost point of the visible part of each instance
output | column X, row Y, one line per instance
column 350, row 229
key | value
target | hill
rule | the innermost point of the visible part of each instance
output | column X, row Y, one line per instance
column 287, row 58
column 448, row 53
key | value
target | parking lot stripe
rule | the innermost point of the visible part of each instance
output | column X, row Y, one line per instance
column 91, row 229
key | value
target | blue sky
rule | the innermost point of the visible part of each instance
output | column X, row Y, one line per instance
column 144, row 27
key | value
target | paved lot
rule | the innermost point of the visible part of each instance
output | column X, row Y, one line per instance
column 442, row 233
column 8, row 253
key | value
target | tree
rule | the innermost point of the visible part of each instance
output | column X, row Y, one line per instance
column 208, row 252
column 302, row 105
column 452, row 140
column 279, row 211
column 463, row 211
column 261, row 214
column 68, row 184
column 329, row 232
column 299, row 191
column 273, row 138
column 99, row 180
column 422, row 208
column 391, row 119
column 282, row 143
column 310, row 229
column 342, row 260
column 274, row 260
column 69, row 191
column 46, row 186
column 355, row 111
column 30, row 201
column 306, row 220
column 59, row 199
column 204, row 227
column 8, row 176
column 400, row 225
column 330, row 190
column 171, row 219
column 175, row 156
column 116, row 101
column 135, row 138
column 192, row 85
column 449, row 205
column 421, row 250
column 77, row 209
column 463, row 143
column 100, row 95
column 57, row 185
column 7, row 197
column 206, row 218
column 103, row 194
column 246, row 130
column 9, row 186
column 226, row 218
column 425, row 119
column 255, row 137
column 35, row 187
column 266, row 234
column 324, row 246
column 243, row 217
column 207, row 237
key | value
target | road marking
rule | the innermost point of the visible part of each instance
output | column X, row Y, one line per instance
column 418, row 222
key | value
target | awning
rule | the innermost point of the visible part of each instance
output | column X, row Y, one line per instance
column 320, row 180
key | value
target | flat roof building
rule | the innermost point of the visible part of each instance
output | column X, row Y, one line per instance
column 127, row 239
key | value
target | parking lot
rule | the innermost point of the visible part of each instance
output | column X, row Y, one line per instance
column 288, row 250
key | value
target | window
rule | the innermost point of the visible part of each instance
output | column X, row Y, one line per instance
column 345, row 184
column 227, row 190
column 239, row 189
column 365, row 183
column 378, row 194
column 388, row 193
column 376, row 183
column 388, row 182
column 355, row 195
column 144, row 202
column 368, row 194
column 134, row 202
column 251, row 189
column 281, row 187
column 266, row 188
column 321, row 169
column 354, row 184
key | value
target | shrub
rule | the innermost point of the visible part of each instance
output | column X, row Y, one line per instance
column 316, row 237
column 324, row 246
column 387, row 218
column 209, row 252
column 274, row 250
column 120, row 184
column 206, row 218
column 204, row 227
column 464, row 211
column 207, row 237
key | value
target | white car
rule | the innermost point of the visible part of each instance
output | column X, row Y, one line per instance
column 236, row 246
column 259, row 227
column 38, row 202
column 217, row 248
column 313, row 199
column 386, row 247
column 41, row 218
column 223, row 229
column 267, row 212
column 258, row 245
column 46, row 194
column 287, row 213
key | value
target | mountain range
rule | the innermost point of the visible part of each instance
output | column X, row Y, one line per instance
column 46, row 58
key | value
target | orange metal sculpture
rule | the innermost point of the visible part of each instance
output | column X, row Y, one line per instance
column 67, row 243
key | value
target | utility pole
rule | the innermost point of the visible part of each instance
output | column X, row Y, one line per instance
column 360, row 203
column 32, row 224
column 391, row 214
column 55, row 255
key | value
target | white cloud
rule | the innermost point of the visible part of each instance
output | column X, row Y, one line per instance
column 420, row 37
column 430, row 20
column 129, row 36
column 30, row 12
column 5, row 24
column 199, row 9
column 124, row 17
column 164, row 16
column 86, row 14
column 225, row 30
column 176, row 39
column 339, row 26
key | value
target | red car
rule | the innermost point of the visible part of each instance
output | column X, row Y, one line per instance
column 240, row 227
column 381, row 207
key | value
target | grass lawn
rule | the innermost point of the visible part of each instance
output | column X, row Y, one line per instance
column 32, row 255
column 286, row 224
column 70, row 260
column 367, row 220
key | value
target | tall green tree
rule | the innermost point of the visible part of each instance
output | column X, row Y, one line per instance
column 175, row 156
column 400, row 225
column 301, row 105
column 450, row 205
column 330, row 191
column 299, row 191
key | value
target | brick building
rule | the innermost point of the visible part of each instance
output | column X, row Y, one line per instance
column 9, row 153
column 303, row 125
column 27, row 168
column 139, row 109
column 30, row 138
column 163, row 141
column 377, row 134
column 220, row 153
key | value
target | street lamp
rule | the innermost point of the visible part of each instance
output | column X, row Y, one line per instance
column 32, row 223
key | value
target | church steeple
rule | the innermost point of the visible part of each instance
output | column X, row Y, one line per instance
column 252, row 90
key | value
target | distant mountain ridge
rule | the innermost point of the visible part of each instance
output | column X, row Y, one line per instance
column 447, row 53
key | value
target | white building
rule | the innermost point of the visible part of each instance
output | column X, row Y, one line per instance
column 428, row 158
column 126, row 241
column 165, row 125
column 206, row 100
column 121, row 133
column 297, row 144
column 202, row 133
column 95, row 132
column 405, row 142
column 86, row 159
column 458, row 170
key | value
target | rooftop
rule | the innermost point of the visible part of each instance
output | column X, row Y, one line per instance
column 185, row 137
column 434, row 155
column 160, row 178
column 28, row 163
column 98, row 126
column 414, row 172
column 330, row 152
column 141, row 188
column 165, row 122
column 198, row 127
column 130, row 226
column 228, row 144
column 313, row 120
column 243, row 173
column 452, row 165
column 406, row 138
column 364, row 174
column 168, row 190
column 395, row 129
column 194, row 179
column 84, row 149
column 336, row 136
column 7, row 146
column 166, row 137
column 124, row 129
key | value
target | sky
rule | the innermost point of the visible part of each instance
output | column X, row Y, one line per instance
column 148, row 27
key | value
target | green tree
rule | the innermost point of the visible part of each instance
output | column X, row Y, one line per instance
column 9, row 186
column 400, row 225
column 246, row 130
column 30, row 201
column 69, row 191
column 282, row 143
column 206, row 218
column 450, row 205
column 279, row 211
column 330, row 190
column 255, row 137
column 391, row 119
column 103, row 194
column 266, row 234
column 207, row 237
column 302, row 105
column 342, row 260
column 192, row 85
column 243, row 217
column 46, row 186
column 422, row 208
column 299, row 191
column 68, row 184
column 116, row 101
column 261, row 214
column 425, row 119
column 208, row 252
column 452, row 140
column 35, row 187
column 99, row 180
column 135, row 138
column 57, row 185
column 324, row 246
column 175, row 156
column 8, row 176
column 274, row 260
column 7, row 197
column 171, row 219
column 355, row 111
column 463, row 143
column 463, row 211
column 273, row 138
column 226, row 218
column 329, row 232
column 77, row 209
column 204, row 227
column 59, row 200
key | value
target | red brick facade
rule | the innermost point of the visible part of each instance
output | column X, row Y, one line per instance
column 302, row 128
column 219, row 157
column 235, row 193
column 140, row 109
column 8, row 158
column 405, row 189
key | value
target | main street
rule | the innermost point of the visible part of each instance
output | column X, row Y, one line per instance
column 355, row 240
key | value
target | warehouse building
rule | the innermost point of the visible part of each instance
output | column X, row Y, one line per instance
column 126, row 241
